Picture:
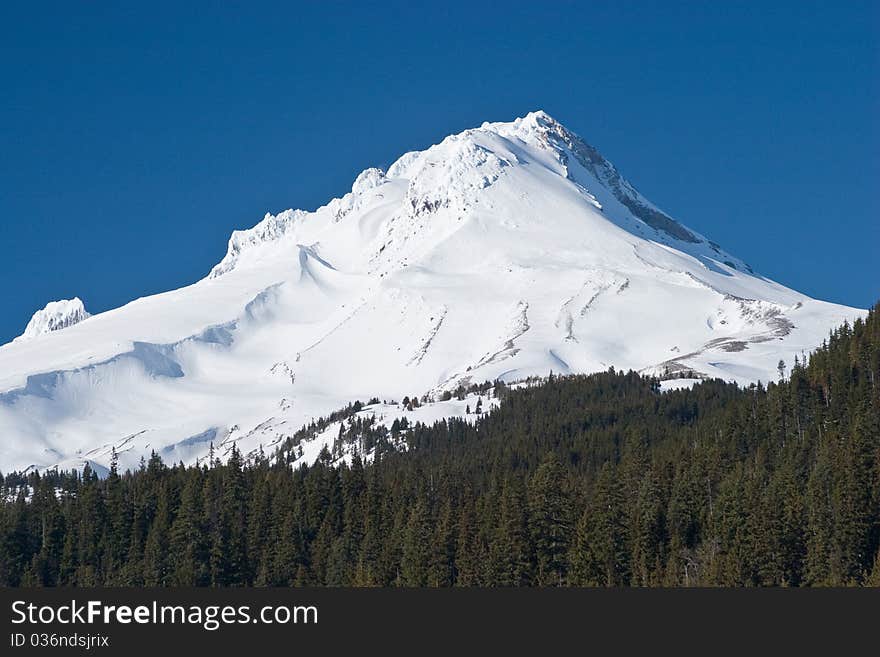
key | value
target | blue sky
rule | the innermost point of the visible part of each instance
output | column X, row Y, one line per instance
column 133, row 140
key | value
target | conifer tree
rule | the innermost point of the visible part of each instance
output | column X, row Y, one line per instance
column 417, row 540
column 549, row 522
column 510, row 550
column 187, row 544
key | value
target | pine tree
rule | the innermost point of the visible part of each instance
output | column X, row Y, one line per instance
column 549, row 522
column 233, row 525
column 119, row 512
column 468, row 549
column 156, row 565
column 441, row 572
column 187, row 540
column 510, row 550
column 417, row 542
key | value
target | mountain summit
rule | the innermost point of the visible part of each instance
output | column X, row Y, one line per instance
column 506, row 251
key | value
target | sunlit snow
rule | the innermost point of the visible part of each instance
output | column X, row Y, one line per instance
column 507, row 251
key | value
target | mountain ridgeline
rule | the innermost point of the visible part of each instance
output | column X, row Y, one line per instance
column 503, row 252
column 599, row 480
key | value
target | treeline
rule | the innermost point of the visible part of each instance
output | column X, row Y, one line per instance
column 588, row 480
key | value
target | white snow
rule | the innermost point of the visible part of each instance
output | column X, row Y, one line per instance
column 678, row 384
column 55, row 316
column 507, row 251
column 385, row 413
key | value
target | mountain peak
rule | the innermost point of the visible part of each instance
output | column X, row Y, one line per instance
column 453, row 173
column 55, row 316
column 541, row 128
column 536, row 117
column 504, row 252
column 537, row 123
column 539, row 118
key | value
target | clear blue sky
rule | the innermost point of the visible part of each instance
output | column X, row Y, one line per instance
column 134, row 140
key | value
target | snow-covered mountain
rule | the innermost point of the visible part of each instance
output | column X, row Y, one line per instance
column 506, row 251
column 55, row 316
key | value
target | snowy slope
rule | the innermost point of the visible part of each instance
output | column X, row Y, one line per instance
column 507, row 251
